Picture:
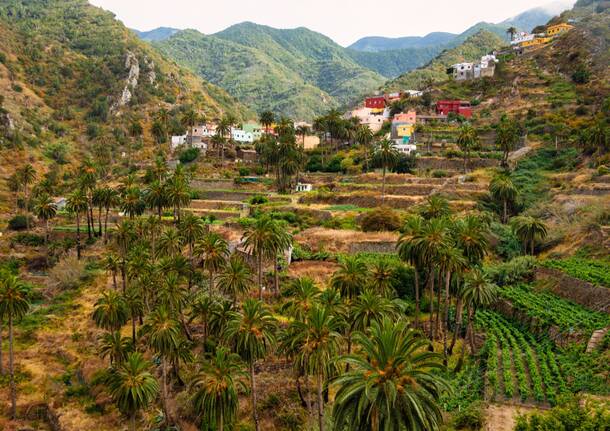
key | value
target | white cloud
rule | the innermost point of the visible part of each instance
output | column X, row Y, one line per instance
column 345, row 21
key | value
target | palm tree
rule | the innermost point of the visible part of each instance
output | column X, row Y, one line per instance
column 507, row 136
column 133, row 203
column 477, row 292
column 503, row 189
column 467, row 140
column 303, row 131
column 529, row 230
column 14, row 304
column 97, row 198
column 115, row 347
column 386, row 155
column 364, row 137
column 112, row 264
column 408, row 252
column 192, row 229
column 110, row 311
column 302, row 294
column 511, row 31
column 135, row 305
column 266, row 118
column 382, row 277
column 178, row 193
column 369, row 307
column 252, row 333
column 131, row 386
column 26, row 175
column 213, row 251
column 111, row 199
column 223, row 129
column 188, row 120
column 391, row 384
column 45, row 209
column 155, row 197
column 163, row 334
column 235, row 279
column 350, row 278
column 215, row 389
column 435, row 206
column 264, row 239
column 170, row 242
column 76, row 204
column 316, row 343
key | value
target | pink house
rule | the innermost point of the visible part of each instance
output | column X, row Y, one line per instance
column 406, row 117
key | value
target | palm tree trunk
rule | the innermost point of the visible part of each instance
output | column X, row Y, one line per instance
column 46, row 240
column 99, row 221
column 383, row 186
column 77, row 235
column 471, row 312
column 106, row 225
column 133, row 329
column 320, row 404
column 532, row 247
column 437, row 320
column 505, row 212
column 221, row 425
column 417, row 301
column 132, row 421
column 211, row 283
column 164, row 394
column 446, row 317
column 276, row 277
column 253, row 389
column 11, row 368
column 431, row 287
column 260, row 276
column 27, row 208
column 114, row 279
column 458, row 324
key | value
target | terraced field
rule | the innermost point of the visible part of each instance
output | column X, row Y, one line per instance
column 519, row 367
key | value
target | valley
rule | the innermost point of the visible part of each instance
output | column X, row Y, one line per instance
column 260, row 229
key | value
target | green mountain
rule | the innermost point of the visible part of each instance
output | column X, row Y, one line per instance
column 295, row 72
column 472, row 48
column 378, row 43
column 73, row 75
column 157, row 34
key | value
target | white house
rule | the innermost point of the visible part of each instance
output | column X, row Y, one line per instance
column 404, row 148
column 414, row 93
column 241, row 136
column 197, row 142
column 462, row 71
column 485, row 67
column 302, row 187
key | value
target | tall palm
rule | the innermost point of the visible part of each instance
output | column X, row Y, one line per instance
column 111, row 200
column 131, row 386
column 382, row 277
column 511, row 31
column 477, row 292
column 98, row 198
column 213, row 251
column 303, row 131
column 112, row 264
column 302, row 294
column 369, row 307
column 135, row 305
column 76, row 204
column 316, row 341
column 235, row 279
column 163, row 334
column 26, row 175
column 386, row 155
column 45, row 209
column 133, row 202
column 467, row 140
column 266, row 118
column 192, row 229
column 170, row 242
column 110, row 311
column 529, row 230
column 435, row 206
column 392, row 384
column 264, row 239
column 504, row 190
column 215, row 389
column 155, row 197
column 252, row 333
column 115, row 347
column 188, row 120
column 507, row 137
column 223, row 129
column 178, row 194
column 410, row 253
column 14, row 304
column 351, row 277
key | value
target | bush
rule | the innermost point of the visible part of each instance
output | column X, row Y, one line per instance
column 472, row 417
column 405, row 164
column 258, row 200
column 19, row 222
column 519, row 269
column 380, row 219
column 29, row 239
column 244, row 172
column 68, row 273
column 439, row 173
column 189, row 155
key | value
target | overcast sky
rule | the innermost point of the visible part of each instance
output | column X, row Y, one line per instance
column 345, row 21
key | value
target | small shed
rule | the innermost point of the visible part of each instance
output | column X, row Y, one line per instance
column 303, row 187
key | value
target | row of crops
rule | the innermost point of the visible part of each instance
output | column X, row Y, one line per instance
column 517, row 365
column 593, row 271
column 549, row 309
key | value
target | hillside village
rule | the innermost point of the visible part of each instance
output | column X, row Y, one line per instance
column 422, row 251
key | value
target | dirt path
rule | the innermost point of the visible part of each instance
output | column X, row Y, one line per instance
column 503, row 417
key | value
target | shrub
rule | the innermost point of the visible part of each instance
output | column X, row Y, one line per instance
column 19, row 222
column 189, row 155
column 258, row 200
column 380, row 219
column 439, row 173
column 244, row 172
column 405, row 164
column 472, row 417
column 581, row 75
column 29, row 239
column 519, row 269
column 68, row 273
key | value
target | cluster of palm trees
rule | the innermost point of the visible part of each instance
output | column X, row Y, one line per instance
column 447, row 252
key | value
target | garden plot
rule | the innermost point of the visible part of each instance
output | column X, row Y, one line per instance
column 345, row 241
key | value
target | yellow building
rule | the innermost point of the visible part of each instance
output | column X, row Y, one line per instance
column 535, row 42
column 403, row 130
column 554, row 30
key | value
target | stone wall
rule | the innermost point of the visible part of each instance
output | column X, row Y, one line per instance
column 373, row 247
column 456, row 164
column 588, row 295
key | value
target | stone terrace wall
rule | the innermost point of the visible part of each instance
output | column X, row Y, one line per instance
column 454, row 164
column 588, row 295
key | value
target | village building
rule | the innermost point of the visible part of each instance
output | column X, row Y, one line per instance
column 246, row 155
column 309, row 142
column 241, row 136
column 405, row 147
column 458, row 107
column 484, row 68
column 554, row 30
column 303, row 187
column 376, row 103
column 368, row 117
column 254, row 128
column 406, row 117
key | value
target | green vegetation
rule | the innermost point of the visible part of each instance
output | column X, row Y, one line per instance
column 593, row 271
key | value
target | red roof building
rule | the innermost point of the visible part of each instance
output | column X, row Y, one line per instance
column 377, row 102
column 458, row 107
